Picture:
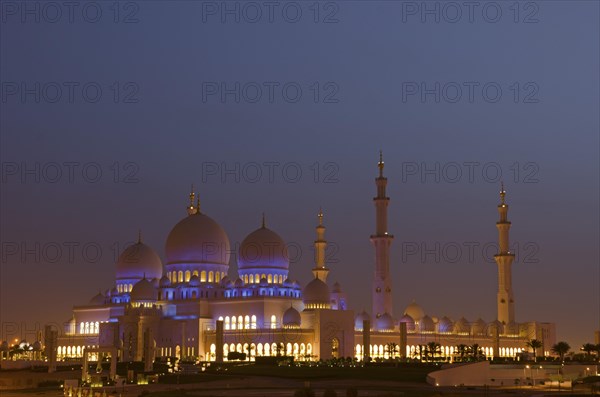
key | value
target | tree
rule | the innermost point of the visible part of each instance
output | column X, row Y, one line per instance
column 476, row 352
column 462, row 351
column 433, row 348
column 392, row 349
column 588, row 348
column 534, row 344
column 561, row 348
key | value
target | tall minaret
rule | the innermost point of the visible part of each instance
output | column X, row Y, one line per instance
column 320, row 271
column 382, row 283
column 504, row 259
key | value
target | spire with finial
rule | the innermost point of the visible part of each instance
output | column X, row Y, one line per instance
column 139, row 236
column 190, row 209
column 263, row 221
column 502, row 191
column 320, row 216
column 198, row 204
column 380, row 164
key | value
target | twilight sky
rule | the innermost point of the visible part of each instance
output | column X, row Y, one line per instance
column 108, row 115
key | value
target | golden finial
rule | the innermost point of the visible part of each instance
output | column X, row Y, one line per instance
column 320, row 215
column 380, row 164
column 192, row 194
column 263, row 221
column 502, row 191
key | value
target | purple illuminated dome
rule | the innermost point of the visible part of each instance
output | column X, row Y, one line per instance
column 263, row 249
column 139, row 261
column 197, row 239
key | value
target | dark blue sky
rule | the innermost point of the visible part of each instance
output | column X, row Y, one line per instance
column 371, row 65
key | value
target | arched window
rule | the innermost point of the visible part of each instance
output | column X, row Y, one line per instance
column 217, row 277
column 256, row 278
column 203, row 276
column 97, row 327
column 180, row 276
column 259, row 349
column 81, row 328
column 270, row 279
column 87, row 328
column 213, row 351
column 240, row 322
column 309, row 349
column 267, row 349
column 263, row 276
column 273, row 321
column 233, row 322
column 247, row 322
column 130, row 287
column 253, row 322
column 239, row 348
column 225, row 350
column 211, row 276
column 251, row 279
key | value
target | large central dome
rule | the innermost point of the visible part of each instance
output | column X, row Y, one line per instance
column 197, row 239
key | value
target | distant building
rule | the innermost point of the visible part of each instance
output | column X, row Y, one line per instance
column 172, row 310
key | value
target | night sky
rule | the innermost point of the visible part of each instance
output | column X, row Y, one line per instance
column 142, row 100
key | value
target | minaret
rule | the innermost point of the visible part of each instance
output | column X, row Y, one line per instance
column 504, row 259
column 382, row 283
column 320, row 271
column 190, row 208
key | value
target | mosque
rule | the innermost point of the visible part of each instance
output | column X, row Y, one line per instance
column 193, row 307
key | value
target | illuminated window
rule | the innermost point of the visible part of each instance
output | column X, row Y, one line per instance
column 81, row 328
column 270, row 279
column 240, row 322
column 251, row 279
column 253, row 322
column 247, row 322
column 226, row 322
column 256, row 278
column 187, row 276
column 217, row 277
column 233, row 322
column 203, row 276
column 273, row 321
column 180, row 276
column 259, row 349
column 245, row 278
column 263, row 276
column 211, row 276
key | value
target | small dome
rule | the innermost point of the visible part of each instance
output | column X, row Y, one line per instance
column 410, row 323
column 296, row 284
column 316, row 295
column 360, row 317
column 239, row 283
column 263, row 249
column 291, row 318
column 97, row 300
column 415, row 311
column 197, row 238
column 226, row 282
column 512, row 329
column 337, row 288
column 37, row 346
column 107, row 292
column 164, row 281
column 114, row 291
column 385, row 322
column 288, row 283
column 4, row 346
column 495, row 326
column 478, row 327
column 138, row 261
column 461, row 326
column 194, row 281
column 143, row 290
column 426, row 324
column 445, row 325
